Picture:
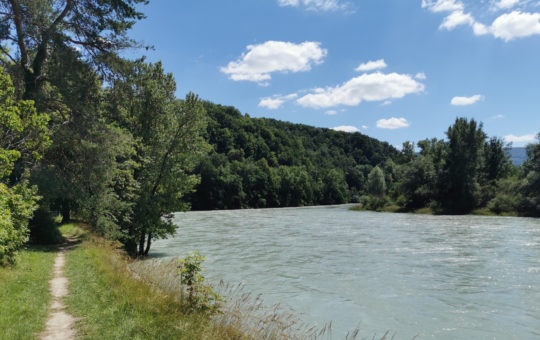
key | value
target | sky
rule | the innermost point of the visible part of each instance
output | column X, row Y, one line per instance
column 396, row 70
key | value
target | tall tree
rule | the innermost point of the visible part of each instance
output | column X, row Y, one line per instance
column 376, row 184
column 37, row 28
column 168, row 145
column 460, row 182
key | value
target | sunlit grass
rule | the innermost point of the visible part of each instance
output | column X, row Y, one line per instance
column 24, row 293
column 112, row 304
column 72, row 230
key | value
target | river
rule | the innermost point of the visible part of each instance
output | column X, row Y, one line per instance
column 434, row 277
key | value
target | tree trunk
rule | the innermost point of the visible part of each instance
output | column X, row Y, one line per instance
column 131, row 243
column 141, row 244
column 148, row 243
column 66, row 211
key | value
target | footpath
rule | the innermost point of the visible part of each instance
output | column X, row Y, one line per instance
column 60, row 325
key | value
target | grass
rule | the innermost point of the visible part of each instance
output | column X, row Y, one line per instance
column 112, row 304
column 24, row 293
column 73, row 230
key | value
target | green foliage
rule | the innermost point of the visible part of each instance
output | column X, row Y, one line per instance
column 268, row 163
column 459, row 181
column 466, row 173
column 23, row 138
column 531, row 181
column 507, row 198
column 17, row 205
column 376, row 183
column 167, row 145
column 419, row 182
column 200, row 295
column 40, row 29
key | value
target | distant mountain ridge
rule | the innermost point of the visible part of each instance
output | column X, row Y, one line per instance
column 518, row 155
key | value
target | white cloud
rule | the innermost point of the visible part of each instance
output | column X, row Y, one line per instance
column 365, row 127
column 367, row 87
column 275, row 102
column 507, row 26
column 371, row 65
column 271, row 103
column 421, row 76
column 331, row 112
column 261, row 60
column 516, row 25
column 443, row 5
column 346, row 128
column 386, row 102
column 506, row 4
column 464, row 101
column 499, row 116
column 393, row 123
column 455, row 19
column 480, row 29
column 520, row 139
column 316, row 5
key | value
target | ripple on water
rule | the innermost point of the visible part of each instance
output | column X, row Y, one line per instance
column 438, row 277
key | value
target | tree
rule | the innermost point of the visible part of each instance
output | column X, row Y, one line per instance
column 376, row 184
column 419, row 182
column 169, row 143
column 23, row 136
column 460, row 183
column 531, row 182
column 497, row 162
column 37, row 28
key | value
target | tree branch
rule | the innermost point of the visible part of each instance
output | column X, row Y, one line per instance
column 17, row 18
column 60, row 17
column 7, row 54
column 41, row 54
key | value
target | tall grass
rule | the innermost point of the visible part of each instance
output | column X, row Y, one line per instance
column 112, row 304
column 240, row 310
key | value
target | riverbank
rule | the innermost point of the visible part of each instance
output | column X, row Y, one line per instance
column 111, row 303
column 104, row 297
column 430, row 211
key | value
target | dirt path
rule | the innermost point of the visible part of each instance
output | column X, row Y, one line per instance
column 60, row 325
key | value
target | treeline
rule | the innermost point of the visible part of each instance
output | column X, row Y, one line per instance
column 259, row 163
column 86, row 133
column 467, row 171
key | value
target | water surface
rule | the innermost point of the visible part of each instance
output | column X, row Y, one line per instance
column 435, row 277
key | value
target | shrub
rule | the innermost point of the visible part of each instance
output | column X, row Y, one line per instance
column 17, row 205
column 200, row 295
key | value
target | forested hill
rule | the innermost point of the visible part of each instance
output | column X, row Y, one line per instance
column 259, row 162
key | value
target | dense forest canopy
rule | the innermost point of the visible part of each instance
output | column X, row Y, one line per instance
column 258, row 162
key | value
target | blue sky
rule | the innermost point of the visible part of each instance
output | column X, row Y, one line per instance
column 395, row 70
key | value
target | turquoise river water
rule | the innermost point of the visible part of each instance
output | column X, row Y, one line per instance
column 434, row 277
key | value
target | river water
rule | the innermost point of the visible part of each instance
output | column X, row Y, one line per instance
column 434, row 277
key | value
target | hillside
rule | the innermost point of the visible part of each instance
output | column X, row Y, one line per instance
column 259, row 162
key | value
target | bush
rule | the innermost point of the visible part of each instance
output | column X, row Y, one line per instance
column 507, row 198
column 16, row 207
column 200, row 295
